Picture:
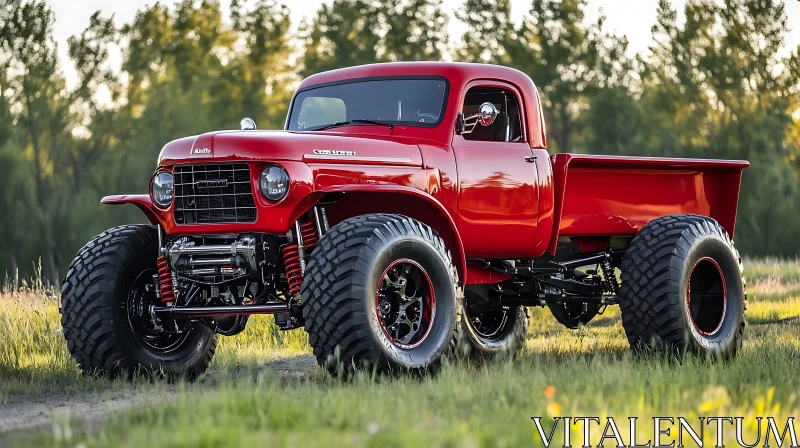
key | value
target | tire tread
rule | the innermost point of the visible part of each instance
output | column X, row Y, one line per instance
column 87, row 301
column 335, row 320
column 651, row 273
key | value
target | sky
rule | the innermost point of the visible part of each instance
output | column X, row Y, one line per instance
column 632, row 18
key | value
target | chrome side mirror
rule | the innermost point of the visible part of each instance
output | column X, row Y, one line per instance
column 247, row 124
column 486, row 115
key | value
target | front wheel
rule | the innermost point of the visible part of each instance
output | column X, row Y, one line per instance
column 683, row 288
column 380, row 292
column 104, row 301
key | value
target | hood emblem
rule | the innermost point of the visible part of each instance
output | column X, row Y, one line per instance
column 333, row 152
column 201, row 151
column 212, row 183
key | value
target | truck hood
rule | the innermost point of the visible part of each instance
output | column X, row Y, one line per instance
column 307, row 147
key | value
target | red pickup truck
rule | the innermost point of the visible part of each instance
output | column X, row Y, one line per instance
column 406, row 208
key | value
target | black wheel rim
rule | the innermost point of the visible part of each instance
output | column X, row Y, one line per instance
column 706, row 296
column 405, row 303
column 490, row 325
column 137, row 305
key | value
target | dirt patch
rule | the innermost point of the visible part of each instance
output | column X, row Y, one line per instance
column 21, row 412
column 295, row 366
column 24, row 412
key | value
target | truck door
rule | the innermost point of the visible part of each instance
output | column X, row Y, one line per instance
column 498, row 200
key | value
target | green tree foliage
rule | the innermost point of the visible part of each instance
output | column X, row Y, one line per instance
column 490, row 29
column 40, row 111
column 556, row 50
column 356, row 32
column 568, row 60
column 716, row 87
column 62, row 149
column 713, row 85
column 265, row 33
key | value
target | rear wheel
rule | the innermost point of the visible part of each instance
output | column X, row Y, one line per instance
column 104, row 306
column 380, row 292
column 683, row 288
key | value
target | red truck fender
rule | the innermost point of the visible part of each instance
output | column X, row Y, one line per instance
column 361, row 199
column 397, row 199
column 141, row 201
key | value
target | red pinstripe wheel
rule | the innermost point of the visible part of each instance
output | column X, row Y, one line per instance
column 405, row 303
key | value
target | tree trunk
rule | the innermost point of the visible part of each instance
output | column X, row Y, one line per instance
column 14, row 269
column 37, row 157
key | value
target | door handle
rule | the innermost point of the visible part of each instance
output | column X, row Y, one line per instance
column 530, row 159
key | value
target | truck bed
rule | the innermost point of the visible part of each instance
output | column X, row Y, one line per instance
column 616, row 196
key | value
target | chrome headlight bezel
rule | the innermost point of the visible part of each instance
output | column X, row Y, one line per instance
column 162, row 189
column 274, row 183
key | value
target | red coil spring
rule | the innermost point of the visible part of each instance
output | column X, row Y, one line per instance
column 291, row 260
column 310, row 237
column 165, row 281
column 291, row 256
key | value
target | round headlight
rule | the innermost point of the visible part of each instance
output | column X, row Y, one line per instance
column 161, row 190
column 274, row 183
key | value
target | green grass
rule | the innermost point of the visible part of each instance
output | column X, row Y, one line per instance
column 246, row 400
column 787, row 270
column 34, row 357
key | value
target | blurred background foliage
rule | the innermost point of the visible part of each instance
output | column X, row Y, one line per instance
column 712, row 85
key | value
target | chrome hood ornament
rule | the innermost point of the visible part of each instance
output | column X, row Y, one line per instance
column 247, row 124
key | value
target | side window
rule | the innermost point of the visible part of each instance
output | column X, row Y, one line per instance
column 508, row 125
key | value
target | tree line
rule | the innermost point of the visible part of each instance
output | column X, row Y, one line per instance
column 715, row 83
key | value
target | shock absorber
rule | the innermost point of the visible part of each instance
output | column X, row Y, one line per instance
column 166, row 285
column 294, row 255
column 609, row 276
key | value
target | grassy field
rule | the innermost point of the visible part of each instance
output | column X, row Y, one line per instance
column 263, row 390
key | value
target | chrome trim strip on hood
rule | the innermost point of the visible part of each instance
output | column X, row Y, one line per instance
column 356, row 159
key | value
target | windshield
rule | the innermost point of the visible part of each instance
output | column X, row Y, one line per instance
column 407, row 102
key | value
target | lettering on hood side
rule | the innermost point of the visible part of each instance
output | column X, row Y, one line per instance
column 333, row 152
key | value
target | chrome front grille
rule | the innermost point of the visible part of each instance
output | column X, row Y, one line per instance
column 214, row 194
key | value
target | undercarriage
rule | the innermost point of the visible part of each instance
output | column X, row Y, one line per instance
column 219, row 280
column 576, row 286
column 380, row 290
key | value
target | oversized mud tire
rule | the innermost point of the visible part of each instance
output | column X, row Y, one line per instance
column 380, row 292
column 105, row 283
column 489, row 330
column 683, row 288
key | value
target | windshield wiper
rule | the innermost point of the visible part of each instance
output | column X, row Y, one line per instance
column 357, row 120
column 382, row 123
